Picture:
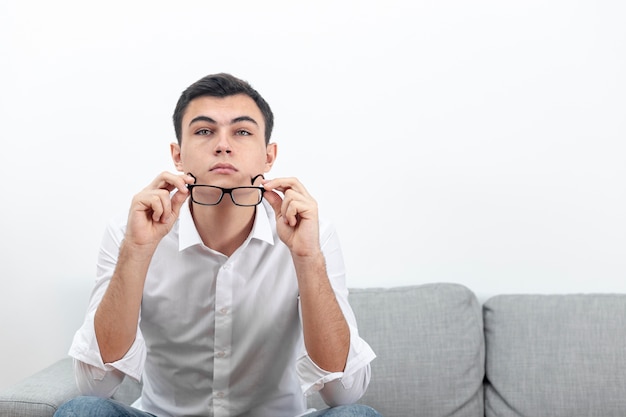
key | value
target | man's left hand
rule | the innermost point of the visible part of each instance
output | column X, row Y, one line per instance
column 297, row 221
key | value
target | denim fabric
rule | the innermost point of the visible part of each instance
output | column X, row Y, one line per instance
column 98, row 407
column 104, row 407
column 354, row 410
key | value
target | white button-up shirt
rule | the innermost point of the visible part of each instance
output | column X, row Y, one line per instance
column 218, row 335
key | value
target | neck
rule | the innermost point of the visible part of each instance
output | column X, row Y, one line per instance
column 224, row 227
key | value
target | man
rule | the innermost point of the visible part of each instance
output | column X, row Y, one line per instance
column 222, row 291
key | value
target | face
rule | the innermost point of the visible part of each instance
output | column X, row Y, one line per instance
column 223, row 141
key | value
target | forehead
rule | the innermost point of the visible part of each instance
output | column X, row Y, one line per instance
column 224, row 110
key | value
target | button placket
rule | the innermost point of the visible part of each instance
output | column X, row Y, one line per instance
column 223, row 336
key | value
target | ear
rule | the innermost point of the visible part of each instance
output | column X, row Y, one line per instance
column 270, row 156
column 176, row 157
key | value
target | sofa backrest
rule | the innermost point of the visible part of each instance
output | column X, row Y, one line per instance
column 555, row 355
column 430, row 350
column 544, row 355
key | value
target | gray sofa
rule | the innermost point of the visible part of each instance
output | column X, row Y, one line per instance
column 443, row 353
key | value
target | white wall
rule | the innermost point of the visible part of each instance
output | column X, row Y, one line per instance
column 479, row 142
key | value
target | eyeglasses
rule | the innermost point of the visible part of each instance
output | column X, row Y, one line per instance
column 211, row 195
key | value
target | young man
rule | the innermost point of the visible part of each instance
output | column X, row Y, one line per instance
column 222, row 291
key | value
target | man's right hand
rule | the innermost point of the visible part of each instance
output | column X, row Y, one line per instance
column 155, row 209
column 152, row 215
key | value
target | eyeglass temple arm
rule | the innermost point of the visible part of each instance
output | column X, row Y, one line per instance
column 254, row 178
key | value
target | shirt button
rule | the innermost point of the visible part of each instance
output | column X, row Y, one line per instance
column 221, row 354
column 226, row 267
column 224, row 310
column 219, row 394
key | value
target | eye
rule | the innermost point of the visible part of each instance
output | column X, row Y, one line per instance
column 243, row 132
column 204, row 132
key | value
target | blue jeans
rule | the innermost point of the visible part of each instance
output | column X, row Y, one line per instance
column 98, row 407
column 104, row 407
column 354, row 410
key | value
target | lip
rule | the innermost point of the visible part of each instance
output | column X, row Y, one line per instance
column 223, row 168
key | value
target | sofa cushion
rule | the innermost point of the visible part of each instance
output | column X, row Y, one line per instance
column 430, row 350
column 555, row 355
column 41, row 394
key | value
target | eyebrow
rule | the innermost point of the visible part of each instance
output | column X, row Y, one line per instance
column 235, row 120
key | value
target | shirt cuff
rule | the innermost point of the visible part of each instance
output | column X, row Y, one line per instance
column 86, row 350
column 313, row 378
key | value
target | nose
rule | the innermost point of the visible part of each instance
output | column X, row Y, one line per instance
column 222, row 145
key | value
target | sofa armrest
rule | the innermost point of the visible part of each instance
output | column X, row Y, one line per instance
column 40, row 394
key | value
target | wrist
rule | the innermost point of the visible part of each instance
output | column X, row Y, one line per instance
column 308, row 258
column 131, row 251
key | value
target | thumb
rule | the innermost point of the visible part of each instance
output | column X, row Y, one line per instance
column 275, row 201
column 177, row 201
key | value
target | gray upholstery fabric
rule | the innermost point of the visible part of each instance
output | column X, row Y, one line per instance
column 430, row 350
column 41, row 394
column 555, row 355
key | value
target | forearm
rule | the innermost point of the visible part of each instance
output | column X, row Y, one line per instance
column 326, row 332
column 117, row 316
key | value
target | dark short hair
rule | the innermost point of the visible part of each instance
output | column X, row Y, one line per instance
column 221, row 85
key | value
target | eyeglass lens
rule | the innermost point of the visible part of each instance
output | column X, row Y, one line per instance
column 242, row 196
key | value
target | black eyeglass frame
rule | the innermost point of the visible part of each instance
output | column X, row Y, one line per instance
column 229, row 191
column 225, row 191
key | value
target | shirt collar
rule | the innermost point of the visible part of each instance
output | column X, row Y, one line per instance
column 188, row 234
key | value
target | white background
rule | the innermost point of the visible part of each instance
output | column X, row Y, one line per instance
column 479, row 142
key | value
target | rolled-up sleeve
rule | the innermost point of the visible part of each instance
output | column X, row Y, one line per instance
column 93, row 376
column 339, row 388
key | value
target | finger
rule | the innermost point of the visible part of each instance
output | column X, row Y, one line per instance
column 178, row 199
column 291, row 212
column 163, row 181
column 168, row 181
column 275, row 201
column 289, row 207
column 161, row 206
column 284, row 184
column 148, row 204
